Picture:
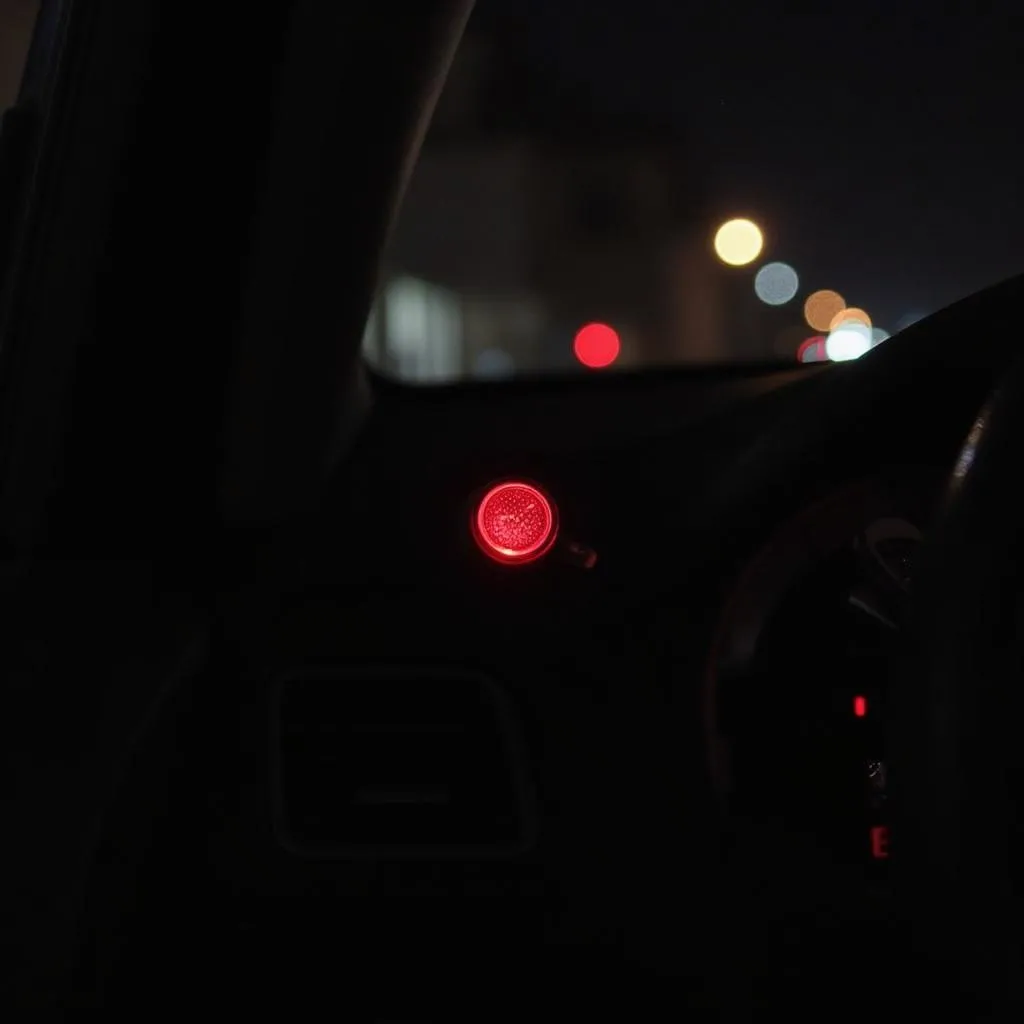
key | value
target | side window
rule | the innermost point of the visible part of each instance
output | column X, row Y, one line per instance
column 16, row 20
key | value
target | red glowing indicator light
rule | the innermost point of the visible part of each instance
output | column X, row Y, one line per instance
column 597, row 346
column 515, row 522
column 880, row 842
column 860, row 706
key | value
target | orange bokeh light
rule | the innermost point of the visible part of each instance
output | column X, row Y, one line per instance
column 822, row 307
column 850, row 315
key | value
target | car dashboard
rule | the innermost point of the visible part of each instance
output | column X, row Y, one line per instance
column 692, row 780
column 803, row 660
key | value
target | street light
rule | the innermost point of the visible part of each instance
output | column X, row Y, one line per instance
column 738, row 242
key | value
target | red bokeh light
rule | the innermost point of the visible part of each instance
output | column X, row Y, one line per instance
column 860, row 706
column 812, row 350
column 515, row 522
column 596, row 346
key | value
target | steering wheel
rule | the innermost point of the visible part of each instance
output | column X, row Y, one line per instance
column 956, row 743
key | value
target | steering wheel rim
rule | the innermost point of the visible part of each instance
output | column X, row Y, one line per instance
column 953, row 728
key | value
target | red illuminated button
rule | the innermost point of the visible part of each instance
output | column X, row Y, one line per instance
column 515, row 523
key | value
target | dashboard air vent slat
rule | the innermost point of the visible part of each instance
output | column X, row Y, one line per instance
column 398, row 763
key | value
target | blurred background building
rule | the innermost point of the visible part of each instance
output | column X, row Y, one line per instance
column 532, row 215
column 583, row 165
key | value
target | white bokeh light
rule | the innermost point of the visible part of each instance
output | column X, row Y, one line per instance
column 878, row 335
column 848, row 341
column 776, row 283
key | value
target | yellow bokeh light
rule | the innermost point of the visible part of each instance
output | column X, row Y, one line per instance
column 851, row 315
column 738, row 242
column 822, row 307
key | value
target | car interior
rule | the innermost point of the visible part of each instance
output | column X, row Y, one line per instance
column 492, row 699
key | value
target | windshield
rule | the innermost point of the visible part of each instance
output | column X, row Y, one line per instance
column 632, row 184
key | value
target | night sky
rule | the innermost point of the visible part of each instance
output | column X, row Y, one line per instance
column 879, row 143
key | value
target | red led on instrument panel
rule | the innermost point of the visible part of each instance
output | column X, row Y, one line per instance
column 515, row 523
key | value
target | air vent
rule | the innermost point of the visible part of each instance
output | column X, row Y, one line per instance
column 399, row 763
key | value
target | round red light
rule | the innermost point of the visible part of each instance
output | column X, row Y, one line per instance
column 515, row 523
column 812, row 350
column 596, row 346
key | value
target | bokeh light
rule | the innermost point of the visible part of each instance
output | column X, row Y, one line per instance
column 821, row 308
column 597, row 346
column 850, row 315
column 776, row 283
column 738, row 242
column 848, row 341
column 812, row 350
column 878, row 335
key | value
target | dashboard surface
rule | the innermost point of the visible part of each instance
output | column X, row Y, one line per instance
column 683, row 709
